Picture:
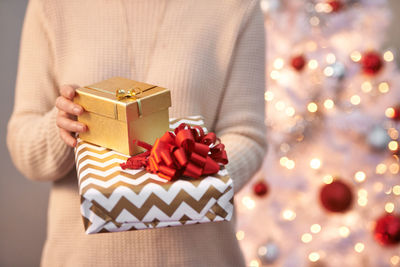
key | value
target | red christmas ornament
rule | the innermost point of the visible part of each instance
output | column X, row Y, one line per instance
column 371, row 63
column 336, row 196
column 396, row 113
column 298, row 62
column 335, row 5
column 387, row 230
column 260, row 188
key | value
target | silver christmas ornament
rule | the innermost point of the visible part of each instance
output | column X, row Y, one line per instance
column 270, row 6
column 339, row 70
column 378, row 138
column 268, row 253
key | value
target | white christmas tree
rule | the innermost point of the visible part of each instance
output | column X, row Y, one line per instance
column 328, row 193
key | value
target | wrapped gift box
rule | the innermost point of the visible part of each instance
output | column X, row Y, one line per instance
column 113, row 199
column 120, row 110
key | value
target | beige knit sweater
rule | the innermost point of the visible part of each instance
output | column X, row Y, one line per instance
column 209, row 53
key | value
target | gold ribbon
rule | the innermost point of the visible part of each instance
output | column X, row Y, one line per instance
column 132, row 93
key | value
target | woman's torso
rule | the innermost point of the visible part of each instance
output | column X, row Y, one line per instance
column 94, row 40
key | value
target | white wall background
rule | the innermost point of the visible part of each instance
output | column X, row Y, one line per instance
column 23, row 203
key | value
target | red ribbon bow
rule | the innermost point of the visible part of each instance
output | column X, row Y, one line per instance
column 186, row 151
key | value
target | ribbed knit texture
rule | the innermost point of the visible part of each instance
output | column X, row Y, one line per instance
column 209, row 53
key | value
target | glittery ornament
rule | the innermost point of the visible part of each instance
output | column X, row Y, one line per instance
column 268, row 253
column 371, row 63
column 387, row 230
column 260, row 188
column 336, row 196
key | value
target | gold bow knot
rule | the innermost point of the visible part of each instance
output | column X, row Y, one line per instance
column 122, row 93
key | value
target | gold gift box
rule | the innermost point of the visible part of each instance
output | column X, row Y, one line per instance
column 120, row 110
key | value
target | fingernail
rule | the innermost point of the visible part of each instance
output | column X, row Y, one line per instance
column 77, row 110
column 81, row 128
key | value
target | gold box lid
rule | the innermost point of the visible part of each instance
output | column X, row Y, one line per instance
column 102, row 98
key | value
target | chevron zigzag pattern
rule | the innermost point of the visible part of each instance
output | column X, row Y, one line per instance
column 114, row 200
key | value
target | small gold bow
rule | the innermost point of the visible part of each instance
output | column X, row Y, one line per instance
column 122, row 93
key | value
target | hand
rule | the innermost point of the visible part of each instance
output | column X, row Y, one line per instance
column 67, row 112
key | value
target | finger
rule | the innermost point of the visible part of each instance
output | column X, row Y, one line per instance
column 68, row 91
column 70, row 125
column 67, row 137
column 68, row 106
column 62, row 113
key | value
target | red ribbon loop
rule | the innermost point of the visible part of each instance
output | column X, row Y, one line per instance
column 210, row 138
column 186, row 151
column 201, row 149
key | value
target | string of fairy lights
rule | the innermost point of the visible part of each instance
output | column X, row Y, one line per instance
column 371, row 62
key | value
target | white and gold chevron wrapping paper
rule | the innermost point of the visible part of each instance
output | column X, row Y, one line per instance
column 114, row 200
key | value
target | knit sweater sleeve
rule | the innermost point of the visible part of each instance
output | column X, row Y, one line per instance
column 33, row 138
column 242, row 113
